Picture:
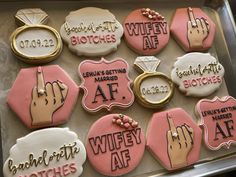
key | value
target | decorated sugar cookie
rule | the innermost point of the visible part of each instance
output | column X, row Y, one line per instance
column 179, row 139
column 106, row 84
column 91, row 31
column 218, row 119
column 193, row 29
column 34, row 42
column 153, row 89
column 197, row 74
column 146, row 31
column 43, row 96
column 46, row 152
column 115, row 144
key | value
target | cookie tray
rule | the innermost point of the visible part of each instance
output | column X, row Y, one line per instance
column 80, row 121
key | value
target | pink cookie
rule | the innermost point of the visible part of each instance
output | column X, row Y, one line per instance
column 146, row 31
column 115, row 144
column 179, row 138
column 193, row 29
column 218, row 119
column 106, row 84
column 43, row 96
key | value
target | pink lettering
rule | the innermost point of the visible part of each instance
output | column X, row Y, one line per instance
column 72, row 168
column 65, row 170
column 186, row 85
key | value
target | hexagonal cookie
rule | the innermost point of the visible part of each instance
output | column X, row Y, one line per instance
column 43, row 96
column 193, row 29
column 179, row 138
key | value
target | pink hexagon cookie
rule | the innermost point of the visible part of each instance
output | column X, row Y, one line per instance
column 106, row 84
column 146, row 31
column 115, row 144
column 179, row 138
column 193, row 29
column 43, row 96
column 218, row 119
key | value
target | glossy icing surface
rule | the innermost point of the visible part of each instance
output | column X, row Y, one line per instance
column 217, row 117
column 146, row 36
column 106, row 84
column 46, row 152
column 112, row 148
column 193, row 29
column 179, row 138
column 197, row 74
column 91, row 31
column 45, row 102
column 34, row 42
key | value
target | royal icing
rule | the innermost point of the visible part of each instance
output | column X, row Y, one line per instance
column 197, row 74
column 106, row 84
column 46, row 152
column 91, row 31
column 193, row 29
column 34, row 42
column 153, row 89
column 218, row 119
column 146, row 31
column 115, row 144
column 43, row 96
column 179, row 139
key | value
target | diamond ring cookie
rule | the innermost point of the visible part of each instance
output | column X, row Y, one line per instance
column 153, row 89
column 34, row 42
column 197, row 74
column 218, row 120
column 115, row 144
column 106, row 84
column 46, row 152
column 193, row 29
column 43, row 96
column 146, row 31
column 91, row 31
column 174, row 139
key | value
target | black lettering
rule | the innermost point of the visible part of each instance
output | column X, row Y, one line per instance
column 229, row 126
column 99, row 92
column 111, row 90
column 219, row 130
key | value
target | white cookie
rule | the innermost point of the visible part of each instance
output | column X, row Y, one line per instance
column 197, row 74
column 91, row 31
column 46, row 152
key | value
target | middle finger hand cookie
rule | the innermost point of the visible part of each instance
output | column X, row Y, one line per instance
column 43, row 96
column 179, row 138
column 193, row 29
